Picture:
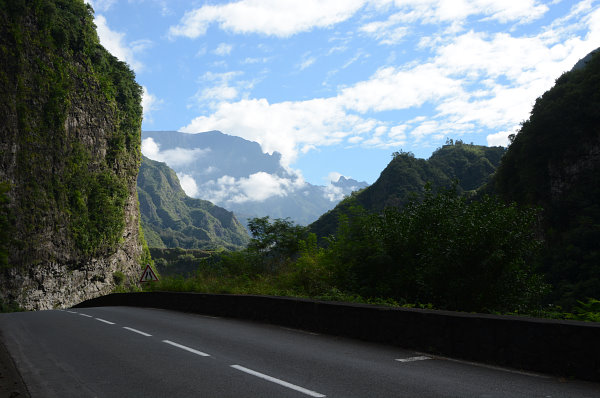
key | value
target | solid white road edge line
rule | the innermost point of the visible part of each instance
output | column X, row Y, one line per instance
column 137, row 331
column 202, row 354
column 413, row 359
column 277, row 381
column 105, row 321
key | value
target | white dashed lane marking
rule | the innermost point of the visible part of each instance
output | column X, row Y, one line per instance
column 414, row 359
column 105, row 321
column 202, row 354
column 137, row 331
column 277, row 381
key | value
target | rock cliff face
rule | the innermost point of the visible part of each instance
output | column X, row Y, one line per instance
column 70, row 123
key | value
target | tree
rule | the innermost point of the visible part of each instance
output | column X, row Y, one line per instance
column 277, row 240
column 443, row 250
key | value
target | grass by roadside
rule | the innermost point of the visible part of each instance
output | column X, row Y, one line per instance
column 283, row 285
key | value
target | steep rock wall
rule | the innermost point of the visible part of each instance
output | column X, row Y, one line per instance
column 70, row 124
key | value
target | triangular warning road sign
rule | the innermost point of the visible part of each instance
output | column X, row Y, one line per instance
column 148, row 275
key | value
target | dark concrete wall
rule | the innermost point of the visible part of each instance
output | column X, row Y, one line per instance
column 565, row 348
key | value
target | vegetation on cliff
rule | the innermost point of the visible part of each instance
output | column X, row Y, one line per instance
column 554, row 162
column 467, row 165
column 172, row 219
column 70, row 150
column 54, row 73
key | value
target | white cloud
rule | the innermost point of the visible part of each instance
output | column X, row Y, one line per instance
column 220, row 87
column 173, row 157
column 396, row 88
column 284, row 18
column 437, row 11
column 499, row 139
column 386, row 32
column 139, row 46
column 188, row 184
column 473, row 81
column 101, row 5
column 280, row 18
column 149, row 103
column 333, row 176
column 286, row 126
column 255, row 60
column 150, row 149
column 115, row 43
column 333, row 193
column 256, row 187
column 306, row 62
column 451, row 15
column 223, row 49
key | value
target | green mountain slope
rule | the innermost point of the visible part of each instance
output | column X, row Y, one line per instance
column 172, row 219
column 405, row 175
column 554, row 162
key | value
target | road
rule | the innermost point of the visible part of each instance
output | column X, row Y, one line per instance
column 134, row 352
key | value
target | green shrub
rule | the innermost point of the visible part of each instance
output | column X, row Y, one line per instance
column 118, row 278
column 444, row 250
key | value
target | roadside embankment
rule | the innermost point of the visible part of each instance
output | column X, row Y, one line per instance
column 564, row 348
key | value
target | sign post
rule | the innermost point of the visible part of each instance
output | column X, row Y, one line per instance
column 148, row 275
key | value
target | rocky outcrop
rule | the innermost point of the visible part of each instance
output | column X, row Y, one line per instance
column 70, row 123
column 573, row 170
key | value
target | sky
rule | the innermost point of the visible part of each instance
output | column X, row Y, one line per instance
column 337, row 86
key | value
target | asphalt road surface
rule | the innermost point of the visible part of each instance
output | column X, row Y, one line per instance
column 133, row 352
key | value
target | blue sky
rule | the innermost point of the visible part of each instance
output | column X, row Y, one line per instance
column 337, row 86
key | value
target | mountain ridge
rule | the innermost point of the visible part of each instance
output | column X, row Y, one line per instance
column 236, row 174
column 172, row 219
column 467, row 165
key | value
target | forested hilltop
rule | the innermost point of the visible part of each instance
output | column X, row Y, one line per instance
column 171, row 219
column 554, row 162
column 469, row 166
column 70, row 116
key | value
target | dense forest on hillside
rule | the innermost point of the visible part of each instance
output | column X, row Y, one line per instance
column 172, row 219
column 554, row 162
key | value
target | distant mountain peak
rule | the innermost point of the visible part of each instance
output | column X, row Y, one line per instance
column 349, row 182
column 237, row 175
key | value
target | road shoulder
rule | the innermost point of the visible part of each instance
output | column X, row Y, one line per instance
column 11, row 382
